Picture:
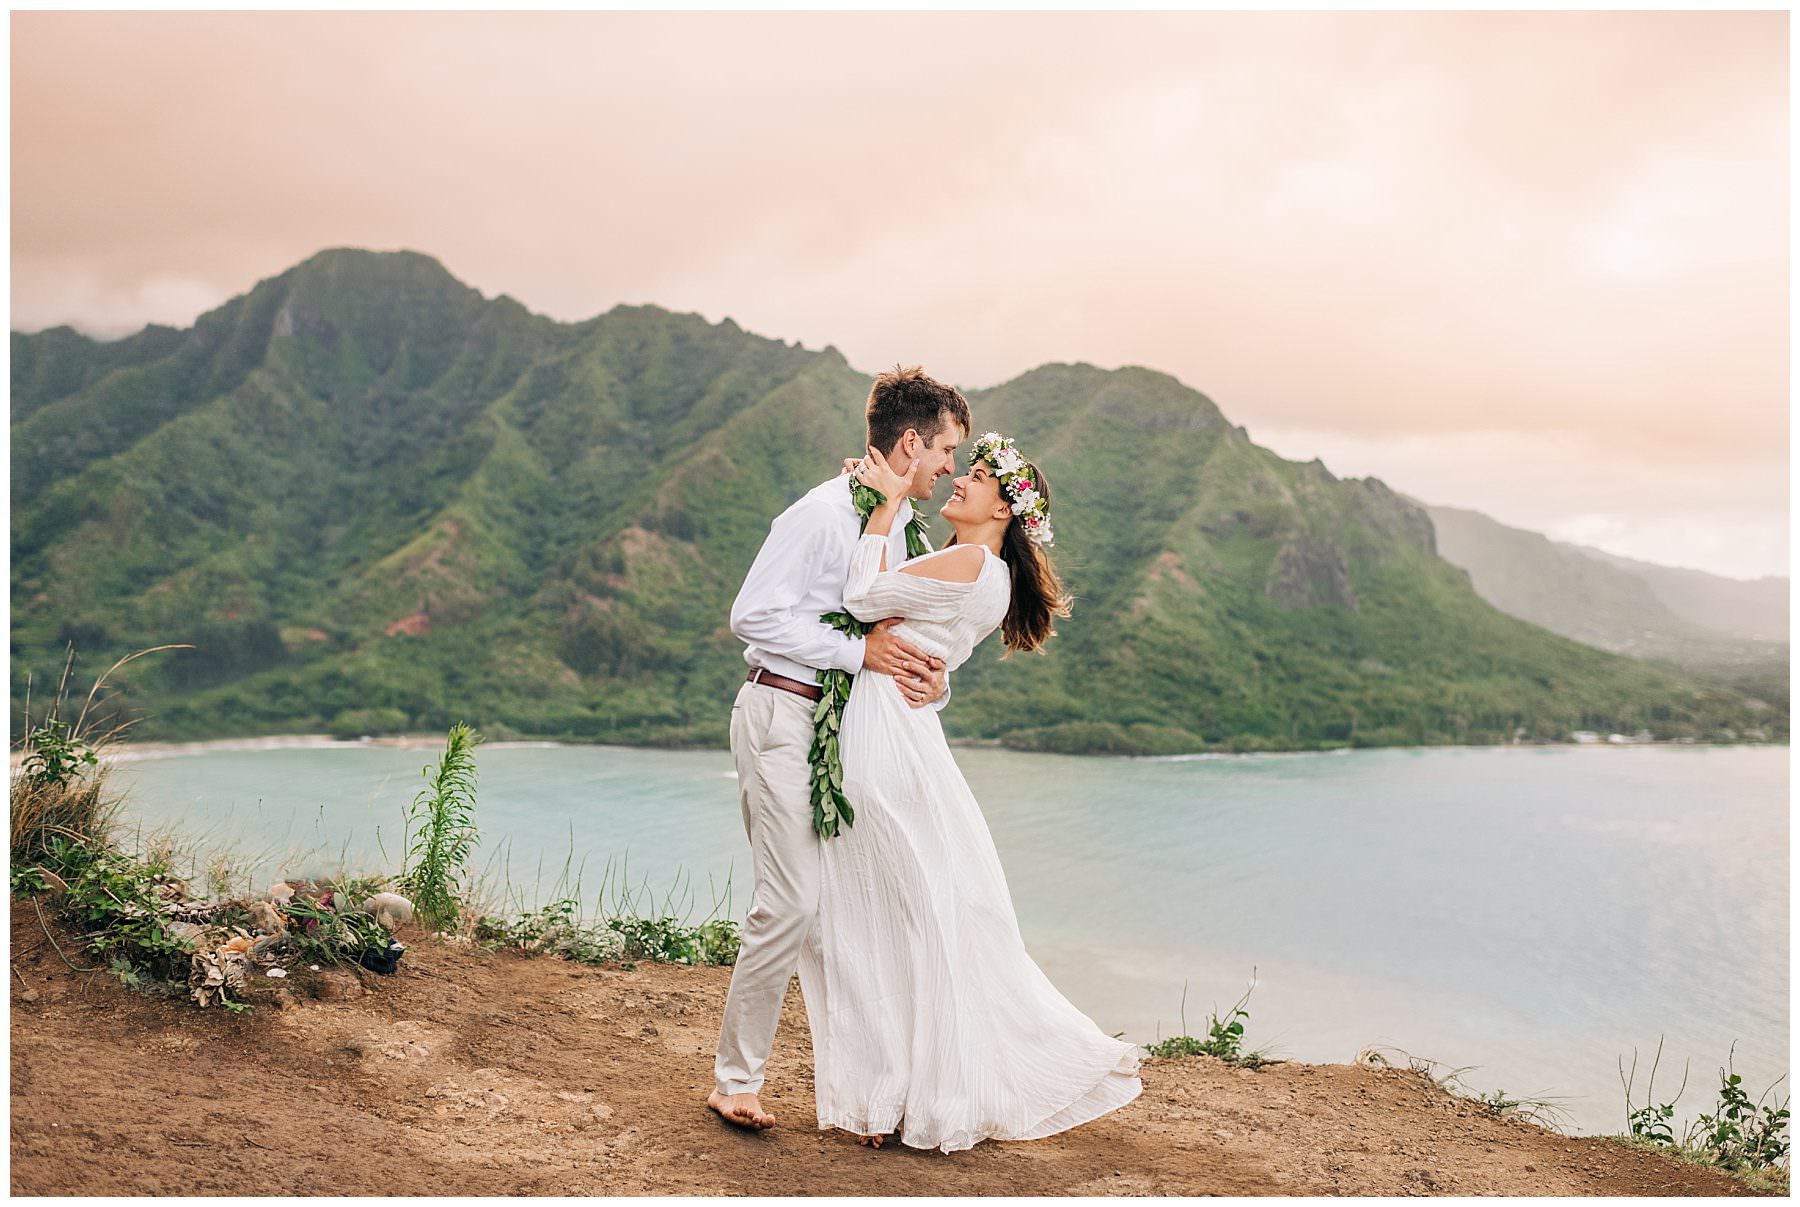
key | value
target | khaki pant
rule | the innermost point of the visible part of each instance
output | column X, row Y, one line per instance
column 771, row 732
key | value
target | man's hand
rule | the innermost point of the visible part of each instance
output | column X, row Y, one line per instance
column 922, row 690
column 891, row 655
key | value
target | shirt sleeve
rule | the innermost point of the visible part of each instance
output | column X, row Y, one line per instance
column 799, row 547
column 872, row 594
column 936, row 705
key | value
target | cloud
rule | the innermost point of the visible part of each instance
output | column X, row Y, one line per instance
column 1380, row 224
column 79, row 294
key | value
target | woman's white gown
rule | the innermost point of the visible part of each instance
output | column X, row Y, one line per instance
column 928, row 1015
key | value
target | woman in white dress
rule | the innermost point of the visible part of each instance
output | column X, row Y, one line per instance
column 929, row 1018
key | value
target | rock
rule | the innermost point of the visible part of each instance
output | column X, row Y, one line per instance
column 596, row 1114
column 1423, row 1177
column 263, row 916
column 469, row 1094
column 266, row 947
column 401, row 1041
column 336, row 986
column 390, row 909
column 1308, row 572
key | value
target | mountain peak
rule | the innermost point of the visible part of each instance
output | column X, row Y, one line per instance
column 350, row 259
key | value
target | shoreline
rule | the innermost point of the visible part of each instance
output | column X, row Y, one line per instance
column 132, row 752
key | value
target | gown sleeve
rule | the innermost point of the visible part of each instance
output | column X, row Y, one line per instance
column 872, row 594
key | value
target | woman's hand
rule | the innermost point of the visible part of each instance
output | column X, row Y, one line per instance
column 874, row 472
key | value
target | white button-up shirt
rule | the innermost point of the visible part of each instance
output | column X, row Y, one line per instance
column 798, row 575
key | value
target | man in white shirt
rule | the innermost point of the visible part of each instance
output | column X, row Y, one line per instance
column 799, row 575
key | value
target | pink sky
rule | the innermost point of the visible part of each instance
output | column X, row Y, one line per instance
column 1530, row 263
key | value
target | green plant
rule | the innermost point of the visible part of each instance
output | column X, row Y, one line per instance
column 117, row 904
column 1741, row 1133
column 128, row 976
column 329, row 936
column 52, row 792
column 668, row 940
column 1748, row 1139
column 54, row 756
column 1224, row 1035
column 555, row 929
column 1652, row 1122
column 625, row 931
column 444, row 814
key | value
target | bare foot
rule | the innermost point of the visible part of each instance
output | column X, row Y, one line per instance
column 874, row 1141
column 744, row 1110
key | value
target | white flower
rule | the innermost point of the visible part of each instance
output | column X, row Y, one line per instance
column 1023, row 500
column 1009, row 461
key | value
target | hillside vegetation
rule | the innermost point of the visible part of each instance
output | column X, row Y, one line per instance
column 376, row 501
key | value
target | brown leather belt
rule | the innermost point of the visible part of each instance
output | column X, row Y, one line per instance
column 767, row 678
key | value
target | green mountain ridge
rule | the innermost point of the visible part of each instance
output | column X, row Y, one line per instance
column 1730, row 629
column 376, row 500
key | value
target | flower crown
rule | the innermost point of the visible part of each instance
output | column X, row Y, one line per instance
column 1016, row 481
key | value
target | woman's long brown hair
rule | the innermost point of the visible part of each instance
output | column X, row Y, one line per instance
column 1038, row 597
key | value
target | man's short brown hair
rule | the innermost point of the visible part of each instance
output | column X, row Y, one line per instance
column 908, row 398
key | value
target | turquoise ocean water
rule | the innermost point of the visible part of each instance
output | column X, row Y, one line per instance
column 1534, row 912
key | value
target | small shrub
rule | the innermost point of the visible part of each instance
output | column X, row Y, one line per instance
column 556, row 929
column 54, row 757
column 332, row 936
column 669, row 940
column 366, row 722
column 118, row 904
column 1746, row 1138
column 1224, row 1035
column 1741, row 1134
column 59, row 788
column 436, row 875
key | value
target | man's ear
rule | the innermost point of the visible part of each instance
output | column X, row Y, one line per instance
column 909, row 444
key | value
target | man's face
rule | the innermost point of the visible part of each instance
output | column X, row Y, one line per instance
column 936, row 458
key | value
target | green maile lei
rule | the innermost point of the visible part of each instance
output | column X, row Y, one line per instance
column 830, row 806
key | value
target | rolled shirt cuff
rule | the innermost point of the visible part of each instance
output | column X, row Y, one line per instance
column 850, row 655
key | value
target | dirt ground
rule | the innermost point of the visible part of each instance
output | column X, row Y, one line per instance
column 477, row 1073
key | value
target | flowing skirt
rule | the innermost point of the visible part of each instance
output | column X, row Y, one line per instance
column 928, row 1015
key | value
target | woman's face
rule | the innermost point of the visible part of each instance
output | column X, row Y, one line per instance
column 976, row 497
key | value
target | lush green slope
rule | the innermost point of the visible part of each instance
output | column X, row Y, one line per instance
column 376, row 500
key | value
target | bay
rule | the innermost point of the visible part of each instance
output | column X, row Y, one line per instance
column 1534, row 912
